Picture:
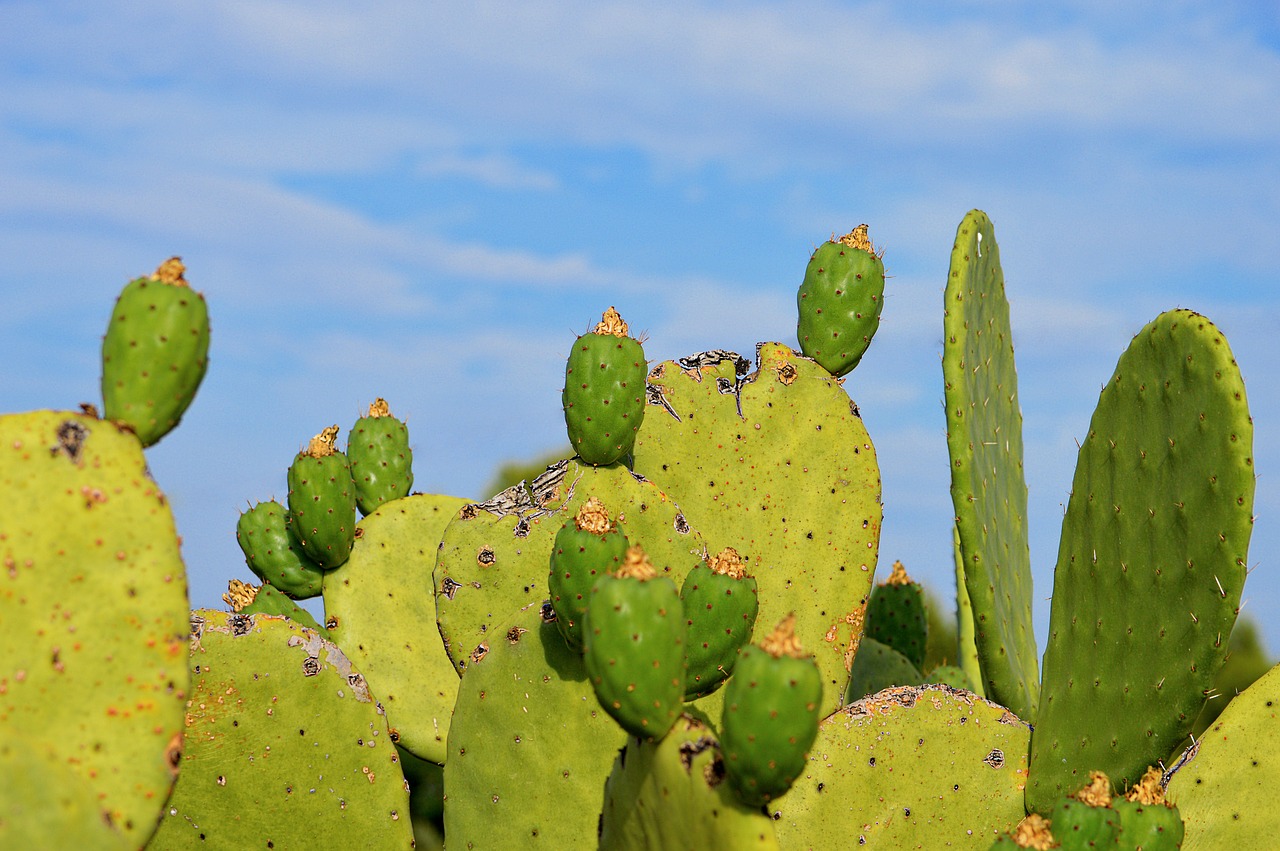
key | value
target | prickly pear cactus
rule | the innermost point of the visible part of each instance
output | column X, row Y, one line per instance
column 914, row 767
column 273, row 553
column 155, row 352
column 285, row 745
column 671, row 795
column 966, row 645
column 633, row 646
column 896, row 616
column 47, row 805
column 585, row 548
column 322, row 501
column 380, row 457
column 494, row 556
column 720, row 601
column 380, row 610
column 603, row 394
column 247, row 599
column 93, row 602
column 530, row 748
column 988, row 488
column 777, row 464
column 840, row 300
column 1152, row 560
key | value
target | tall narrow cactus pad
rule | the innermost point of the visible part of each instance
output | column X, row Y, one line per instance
column 155, row 352
column 322, row 501
column 778, row 465
column 530, row 748
column 1226, row 792
column 494, row 556
column 93, row 603
column 922, row 767
column 1152, row 560
column 381, row 611
column 603, row 393
column 840, row 300
column 988, row 489
column 671, row 795
column 285, row 745
column 380, row 457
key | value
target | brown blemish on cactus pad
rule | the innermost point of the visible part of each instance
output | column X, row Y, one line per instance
column 1149, row 792
column 71, row 438
column 323, row 444
column 486, row 557
column 611, row 323
column 787, row 374
column 730, row 563
column 782, row 641
column 1097, row 793
column 1033, row 832
column 636, row 565
column 592, row 517
column 171, row 272
column 379, row 408
column 898, row 576
column 239, row 595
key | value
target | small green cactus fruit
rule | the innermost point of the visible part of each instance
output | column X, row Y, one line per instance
column 840, row 301
column 1086, row 819
column 322, row 501
column 586, row 548
column 245, row 598
column 272, row 553
column 771, row 714
column 896, row 616
column 634, row 637
column 720, row 606
column 1147, row 821
column 155, row 352
column 604, row 392
column 380, row 457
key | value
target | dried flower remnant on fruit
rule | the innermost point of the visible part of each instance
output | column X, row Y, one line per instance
column 898, row 576
column 611, row 323
column 592, row 517
column 1148, row 790
column 782, row 641
column 379, row 408
column 1098, row 792
column 636, row 565
column 1033, row 832
column 239, row 595
column 171, row 272
column 729, row 562
column 323, row 444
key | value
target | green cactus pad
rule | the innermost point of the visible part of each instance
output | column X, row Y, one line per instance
column 530, row 748
column 246, row 599
column 603, row 393
column 988, row 488
column 274, row 555
column 778, row 464
column 47, row 805
column 586, row 547
column 877, row 667
column 494, row 556
column 950, row 675
column 672, row 795
column 285, row 745
column 380, row 457
column 1225, row 787
column 322, row 501
column 896, row 616
column 93, row 603
column 966, row 645
column 380, row 610
column 633, row 647
column 840, row 300
column 155, row 352
column 914, row 767
column 720, row 606
column 1152, row 560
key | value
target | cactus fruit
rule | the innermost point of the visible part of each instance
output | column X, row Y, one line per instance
column 273, row 554
column 155, row 352
column 380, row 457
column 720, row 607
column 93, row 676
column 988, row 488
column 634, row 645
column 604, row 391
column 877, row 667
column 1152, row 560
column 772, row 707
column 586, row 547
column 1148, row 822
column 285, row 745
column 840, row 301
column 896, row 616
column 322, row 501
column 246, row 599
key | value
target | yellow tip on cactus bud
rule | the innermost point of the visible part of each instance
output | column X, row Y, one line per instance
column 730, row 563
column 1033, row 832
column 612, row 323
column 592, row 517
column 170, row 272
column 1097, row 793
column 323, row 444
column 858, row 238
column 898, row 576
column 1148, row 790
column 782, row 641
column 636, row 565
column 239, row 595
column 379, row 408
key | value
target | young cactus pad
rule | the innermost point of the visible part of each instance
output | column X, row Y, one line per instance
column 988, row 489
column 840, row 300
column 155, row 352
column 93, row 613
column 1152, row 560
column 603, row 393
column 322, row 501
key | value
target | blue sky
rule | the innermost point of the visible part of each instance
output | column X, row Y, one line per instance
column 426, row 201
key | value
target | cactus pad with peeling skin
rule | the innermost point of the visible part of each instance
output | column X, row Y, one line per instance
column 274, row 555
column 1152, row 560
column 603, row 395
column 380, row 457
column 840, row 301
column 322, row 501
column 155, row 352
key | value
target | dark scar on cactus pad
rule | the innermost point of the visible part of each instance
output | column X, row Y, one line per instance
column 688, row 750
column 653, row 396
column 513, row 634
column 310, row 666
column 71, row 437
column 449, row 587
column 486, row 557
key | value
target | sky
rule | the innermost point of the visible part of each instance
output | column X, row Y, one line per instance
column 427, row 201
